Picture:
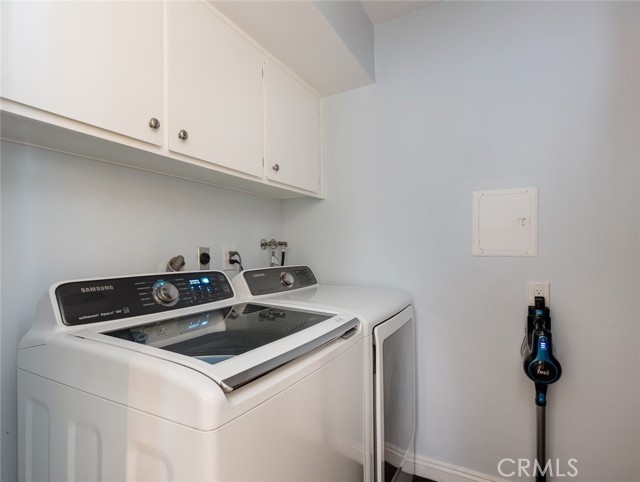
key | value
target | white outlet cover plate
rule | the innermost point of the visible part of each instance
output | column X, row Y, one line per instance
column 505, row 222
column 225, row 258
column 544, row 287
column 203, row 249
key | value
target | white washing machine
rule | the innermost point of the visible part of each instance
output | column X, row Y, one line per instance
column 389, row 357
column 171, row 377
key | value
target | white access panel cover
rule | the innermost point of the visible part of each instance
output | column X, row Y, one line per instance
column 505, row 222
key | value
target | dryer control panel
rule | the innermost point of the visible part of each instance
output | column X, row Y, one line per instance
column 278, row 279
column 94, row 301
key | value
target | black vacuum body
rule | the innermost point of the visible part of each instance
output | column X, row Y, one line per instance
column 540, row 364
column 542, row 367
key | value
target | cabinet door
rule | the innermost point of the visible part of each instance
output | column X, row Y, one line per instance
column 95, row 62
column 215, row 90
column 293, row 132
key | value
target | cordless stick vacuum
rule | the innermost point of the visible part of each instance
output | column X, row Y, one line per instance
column 542, row 367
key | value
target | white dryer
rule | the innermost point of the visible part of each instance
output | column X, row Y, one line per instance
column 171, row 377
column 389, row 357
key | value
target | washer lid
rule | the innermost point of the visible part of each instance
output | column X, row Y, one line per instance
column 233, row 345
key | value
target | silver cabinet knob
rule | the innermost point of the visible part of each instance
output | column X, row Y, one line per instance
column 183, row 135
column 276, row 167
column 154, row 123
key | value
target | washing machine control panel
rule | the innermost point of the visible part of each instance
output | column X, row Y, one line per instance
column 280, row 279
column 94, row 301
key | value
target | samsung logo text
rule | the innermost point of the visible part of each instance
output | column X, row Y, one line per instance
column 91, row 289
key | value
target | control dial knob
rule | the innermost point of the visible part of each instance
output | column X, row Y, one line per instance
column 287, row 279
column 165, row 293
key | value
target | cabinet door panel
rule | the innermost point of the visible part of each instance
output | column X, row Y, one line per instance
column 96, row 62
column 215, row 90
column 293, row 126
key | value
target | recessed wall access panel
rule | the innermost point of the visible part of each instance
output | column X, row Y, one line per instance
column 505, row 222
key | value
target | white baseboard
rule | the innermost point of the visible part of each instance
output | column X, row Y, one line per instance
column 443, row 472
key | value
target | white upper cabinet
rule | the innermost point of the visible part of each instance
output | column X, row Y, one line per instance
column 99, row 63
column 215, row 93
column 293, row 132
column 165, row 86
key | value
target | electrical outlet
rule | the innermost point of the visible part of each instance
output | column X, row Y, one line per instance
column 225, row 257
column 538, row 288
column 204, row 258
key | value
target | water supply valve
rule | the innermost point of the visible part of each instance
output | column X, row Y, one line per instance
column 274, row 244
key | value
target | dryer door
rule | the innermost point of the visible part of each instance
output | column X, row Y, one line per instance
column 395, row 398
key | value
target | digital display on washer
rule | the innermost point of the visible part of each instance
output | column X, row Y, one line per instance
column 217, row 335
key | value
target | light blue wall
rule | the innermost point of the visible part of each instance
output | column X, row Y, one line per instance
column 474, row 96
column 469, row 96
column 352, row 24
column 64, row 218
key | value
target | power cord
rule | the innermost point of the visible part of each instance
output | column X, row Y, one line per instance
column 232, row 260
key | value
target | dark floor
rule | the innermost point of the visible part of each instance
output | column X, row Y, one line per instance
column 390, row 473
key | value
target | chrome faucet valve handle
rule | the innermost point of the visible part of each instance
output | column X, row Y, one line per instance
column 273, row 244
column 264, row 244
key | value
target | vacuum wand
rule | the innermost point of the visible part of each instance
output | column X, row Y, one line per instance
column 541, row 366
column 541, row 455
